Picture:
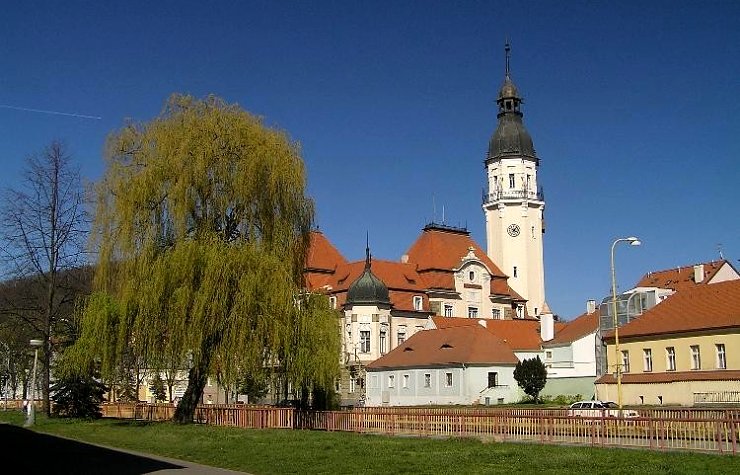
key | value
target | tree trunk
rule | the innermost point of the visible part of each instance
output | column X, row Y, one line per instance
column 197, row 379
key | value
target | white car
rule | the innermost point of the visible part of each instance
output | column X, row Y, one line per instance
column 599, row 409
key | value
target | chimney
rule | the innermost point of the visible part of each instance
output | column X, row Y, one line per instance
column 547, row 326
column 699, row 273
column 405, row 258
column 590, row 306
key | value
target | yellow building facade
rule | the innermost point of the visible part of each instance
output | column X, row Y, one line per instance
column 685, row 351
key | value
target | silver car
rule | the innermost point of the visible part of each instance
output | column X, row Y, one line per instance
column 599, row 409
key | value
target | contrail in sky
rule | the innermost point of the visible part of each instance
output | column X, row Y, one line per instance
column 68, row 114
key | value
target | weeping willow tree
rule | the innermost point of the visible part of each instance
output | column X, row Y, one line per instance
column 202, row 227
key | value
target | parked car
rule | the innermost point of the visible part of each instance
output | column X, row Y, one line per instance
column 599, row 409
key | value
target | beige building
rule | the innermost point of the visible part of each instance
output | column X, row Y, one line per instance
column 685, row 351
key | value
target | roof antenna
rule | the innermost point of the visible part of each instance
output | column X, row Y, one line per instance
column 434, row 209
column 443, row 214
column 719, row 249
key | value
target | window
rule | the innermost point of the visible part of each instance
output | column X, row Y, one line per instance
column 721, row 356
column 670, row 354
column 448, row 310
column 364, row 341
column 418, row 301
column 383, row 340
column 625, row 361
column 471, row 276
column 511, row 180
column 514, row 271
column 333, row 302
column 528, row 177
column 405, row 381
column 520, row 311
column 427, row 380
column 448, row 380
column 548, row 354
column 472, row 312
column 391, row 381
column 496, row 313
column 492, row 380
column 647, row 355
column 401, row 334
column 695, row 357
column 351, row 384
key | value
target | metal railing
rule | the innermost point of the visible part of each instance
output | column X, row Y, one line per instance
column 705, row 430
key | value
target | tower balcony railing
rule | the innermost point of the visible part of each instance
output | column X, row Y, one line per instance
column 505, row 195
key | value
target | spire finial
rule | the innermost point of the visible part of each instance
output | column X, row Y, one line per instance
column 507, row 48
column 367, row 250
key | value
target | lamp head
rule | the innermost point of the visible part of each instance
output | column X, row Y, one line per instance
column 633, row 241
column 36, row 343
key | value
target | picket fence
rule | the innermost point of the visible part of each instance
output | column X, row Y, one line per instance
column 705, row 430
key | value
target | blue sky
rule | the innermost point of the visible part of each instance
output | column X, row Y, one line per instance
column 633, row 107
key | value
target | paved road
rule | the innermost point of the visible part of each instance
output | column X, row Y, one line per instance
column 34, row 453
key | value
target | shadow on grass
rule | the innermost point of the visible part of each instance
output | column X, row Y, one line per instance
column 33, row 452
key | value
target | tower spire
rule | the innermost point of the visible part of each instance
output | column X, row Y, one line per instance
column 507, row 49
column 367, row 250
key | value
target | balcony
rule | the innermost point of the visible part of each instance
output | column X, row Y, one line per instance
column 513, row 195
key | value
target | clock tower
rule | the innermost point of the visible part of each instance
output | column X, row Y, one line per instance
column 514, row 204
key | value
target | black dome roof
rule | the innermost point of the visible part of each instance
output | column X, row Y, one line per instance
column 511, row 138
column 368, row 288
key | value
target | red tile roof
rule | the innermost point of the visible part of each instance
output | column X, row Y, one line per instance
column 447, row 347
column 680, row 278
column 672, row 376
column 430, row 265
column 442, row 249
column 519, row 334
column 575, row 329
column 704, row 307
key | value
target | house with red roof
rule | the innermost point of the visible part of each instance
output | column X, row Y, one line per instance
column 463, row 364
column 683, row 351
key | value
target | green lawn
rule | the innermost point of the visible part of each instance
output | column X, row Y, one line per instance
column 285, row 451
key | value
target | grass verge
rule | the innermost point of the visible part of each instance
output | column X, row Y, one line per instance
column 307, row 452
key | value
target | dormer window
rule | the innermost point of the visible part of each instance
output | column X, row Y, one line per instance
column 418, row 302
column 333, row 302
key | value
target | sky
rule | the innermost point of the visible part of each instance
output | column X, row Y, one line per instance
column 634, row 109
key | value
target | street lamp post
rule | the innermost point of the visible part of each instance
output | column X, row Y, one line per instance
column 31, row 415
column 633, row 241
column 7, row 376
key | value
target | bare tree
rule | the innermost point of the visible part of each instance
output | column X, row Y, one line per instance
column 43, row 226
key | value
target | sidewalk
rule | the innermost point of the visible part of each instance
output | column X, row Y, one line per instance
column 35, row 453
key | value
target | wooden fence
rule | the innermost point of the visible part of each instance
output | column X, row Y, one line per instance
column 676, row 429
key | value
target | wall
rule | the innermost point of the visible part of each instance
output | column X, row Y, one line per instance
column 469, row 384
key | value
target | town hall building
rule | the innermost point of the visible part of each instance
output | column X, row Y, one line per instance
column 445, row 273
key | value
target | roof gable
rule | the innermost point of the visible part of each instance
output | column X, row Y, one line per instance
column 575, row 329
column 681, row 278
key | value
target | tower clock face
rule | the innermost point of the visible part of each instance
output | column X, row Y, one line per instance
column 513, row 230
